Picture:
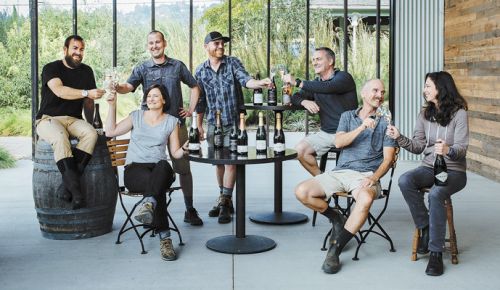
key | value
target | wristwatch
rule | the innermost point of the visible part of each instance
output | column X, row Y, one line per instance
column 85, row 93
column 297, row 82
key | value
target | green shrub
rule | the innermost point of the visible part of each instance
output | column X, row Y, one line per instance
column 6, row 160
column 15, row 122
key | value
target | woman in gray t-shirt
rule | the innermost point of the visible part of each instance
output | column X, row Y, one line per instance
column 147, row 169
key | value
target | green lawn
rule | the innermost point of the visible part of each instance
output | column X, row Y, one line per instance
column 6, row 160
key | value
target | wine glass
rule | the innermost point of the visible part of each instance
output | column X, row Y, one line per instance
column 384, row 112
column 110, row 81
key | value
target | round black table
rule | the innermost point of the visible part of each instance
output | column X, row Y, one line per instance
column 278, row 216
column 241, row 243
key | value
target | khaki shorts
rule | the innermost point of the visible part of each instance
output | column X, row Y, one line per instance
column 321, row 142
column 345, row 180
column 181, row 166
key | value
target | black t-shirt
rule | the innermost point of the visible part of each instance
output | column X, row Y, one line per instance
column 81, row 78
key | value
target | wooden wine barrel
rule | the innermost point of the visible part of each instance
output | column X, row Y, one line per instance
column 57, row 219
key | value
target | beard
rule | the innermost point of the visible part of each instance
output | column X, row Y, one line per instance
column 72, row 62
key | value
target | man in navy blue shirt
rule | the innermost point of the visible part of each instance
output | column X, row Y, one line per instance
column 169, row 72
column 367, row 155
column 329, row 95
column 220, row 79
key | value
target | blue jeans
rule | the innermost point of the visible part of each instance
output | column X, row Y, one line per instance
column 410, row 184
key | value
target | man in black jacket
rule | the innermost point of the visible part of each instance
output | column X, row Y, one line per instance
column 330, row 94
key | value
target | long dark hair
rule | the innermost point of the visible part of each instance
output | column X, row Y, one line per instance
column 449, row 99
column 164, row 95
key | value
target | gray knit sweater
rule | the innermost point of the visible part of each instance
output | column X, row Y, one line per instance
column 456, row 135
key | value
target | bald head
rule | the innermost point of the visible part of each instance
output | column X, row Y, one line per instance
column 373, row 92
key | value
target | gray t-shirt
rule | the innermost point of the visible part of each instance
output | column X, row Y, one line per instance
column 366, row 152
column 148, row 144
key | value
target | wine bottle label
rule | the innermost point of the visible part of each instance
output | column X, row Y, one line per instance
column 261, row 156
column 233, row 145
column 279, row 147
column 258, row 98
column 218, row 140
column 442, row 176
column 100, row 131
column 242, row 148
column 194, row 146
column 260, row 145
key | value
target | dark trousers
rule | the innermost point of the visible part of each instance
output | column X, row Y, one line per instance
column 152, row 179
column 410, row 184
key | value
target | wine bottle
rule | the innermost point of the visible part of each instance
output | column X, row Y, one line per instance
column 279, row 137
column 272, row 99
column 194, row 135
column 242, row 137
column 257, row 94
column 261, row 145
column 97, row 122
column 218, row 137
column 233, row 139
column 440, row 171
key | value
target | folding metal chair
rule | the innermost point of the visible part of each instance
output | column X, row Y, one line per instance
column 373, row 219
column 118, row 153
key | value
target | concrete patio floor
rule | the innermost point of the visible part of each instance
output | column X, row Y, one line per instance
column 29, row 261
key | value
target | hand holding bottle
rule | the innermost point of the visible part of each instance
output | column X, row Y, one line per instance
column 441, row 148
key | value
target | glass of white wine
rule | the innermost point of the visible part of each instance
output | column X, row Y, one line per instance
column 110, row 81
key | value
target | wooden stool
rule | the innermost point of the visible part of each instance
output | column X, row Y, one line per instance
column 452, row 239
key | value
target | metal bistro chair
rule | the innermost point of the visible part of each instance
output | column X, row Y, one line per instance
column 118, row 152
column 452, row 238
column 373, row 219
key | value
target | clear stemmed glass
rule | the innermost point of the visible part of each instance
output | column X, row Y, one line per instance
column 384, row 112
column 110, row 81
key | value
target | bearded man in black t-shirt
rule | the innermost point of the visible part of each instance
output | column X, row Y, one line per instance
column 68, row 86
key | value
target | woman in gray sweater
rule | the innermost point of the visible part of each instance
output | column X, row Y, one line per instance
column 442, row 128
column 146, row 167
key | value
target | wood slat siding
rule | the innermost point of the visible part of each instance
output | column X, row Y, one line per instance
column 472, row 56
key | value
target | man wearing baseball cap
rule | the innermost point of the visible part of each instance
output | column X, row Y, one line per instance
column 220, row 79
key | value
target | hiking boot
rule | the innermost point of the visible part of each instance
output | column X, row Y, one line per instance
column 331, row 265
column 191, row 216
column 145, row 214
column 167, row 250
column 214, row 212
column 423, row 241
column 338, row 223
column 225, row 212
column 435, row 265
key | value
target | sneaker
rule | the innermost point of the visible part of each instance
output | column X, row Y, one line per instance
column 191, row 217
column 145, row 214
column 167, row 250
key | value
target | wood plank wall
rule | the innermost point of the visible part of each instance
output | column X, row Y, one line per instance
column 472, row 56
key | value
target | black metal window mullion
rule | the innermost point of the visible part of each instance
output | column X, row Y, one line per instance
column 153, row 18
column 115, row 30
column 75, row 21
column 346, row 38
column 378, row 38
column 34, row 71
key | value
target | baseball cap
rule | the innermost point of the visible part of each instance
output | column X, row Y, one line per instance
column 215, row 35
